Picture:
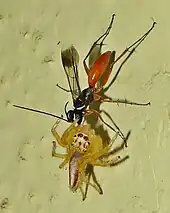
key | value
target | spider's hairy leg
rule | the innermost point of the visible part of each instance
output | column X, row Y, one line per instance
column 106, row 163
column 58, row 155
column 65, row 161
column 82, row 193
column 92, row 157
column 56, row 135
column 60, row 140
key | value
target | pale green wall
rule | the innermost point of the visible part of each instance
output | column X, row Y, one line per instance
column 29, row 31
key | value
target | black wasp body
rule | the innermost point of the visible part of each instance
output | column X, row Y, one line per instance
column 80, row 104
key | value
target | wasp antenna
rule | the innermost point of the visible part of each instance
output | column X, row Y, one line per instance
column 39, row 111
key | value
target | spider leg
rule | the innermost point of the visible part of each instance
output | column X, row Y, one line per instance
column 114, row 162
column 57, row 155
column 89, row 158
column 90, row 173
column 106, row 164
column 85, row 180
column 65, row 161
column 82, row 193
column 96, row 158
column 57, row 136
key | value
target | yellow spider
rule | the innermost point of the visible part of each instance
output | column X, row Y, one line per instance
column 83, row 147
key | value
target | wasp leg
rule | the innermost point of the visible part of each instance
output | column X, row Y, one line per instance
column 120, row 101
column 137, row 43
column 102, row 38
column 131, row 49
column 120, row 133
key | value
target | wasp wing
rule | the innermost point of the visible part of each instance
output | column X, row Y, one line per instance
column 70, row 61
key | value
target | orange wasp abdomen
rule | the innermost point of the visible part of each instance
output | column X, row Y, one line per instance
column 98, row 68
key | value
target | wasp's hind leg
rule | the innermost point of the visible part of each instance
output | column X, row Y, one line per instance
column 100, row 40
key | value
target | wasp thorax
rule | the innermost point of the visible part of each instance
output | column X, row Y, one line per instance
column 81, row 142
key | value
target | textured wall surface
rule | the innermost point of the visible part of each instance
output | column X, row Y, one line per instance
column 30, row 67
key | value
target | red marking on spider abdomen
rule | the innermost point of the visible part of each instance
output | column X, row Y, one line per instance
column 98, row 68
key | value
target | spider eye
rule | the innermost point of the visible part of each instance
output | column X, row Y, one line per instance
column 85, row 138
column 80, row 135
